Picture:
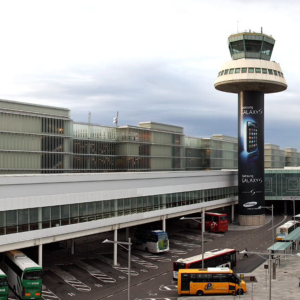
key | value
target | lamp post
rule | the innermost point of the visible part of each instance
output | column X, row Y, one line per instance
column 129, row 258
column 292, row 199
column 270, row 208
column 202, row 233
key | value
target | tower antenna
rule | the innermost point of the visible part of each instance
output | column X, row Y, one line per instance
column 115, row 120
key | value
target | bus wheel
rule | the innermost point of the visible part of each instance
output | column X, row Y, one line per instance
column 240, row 292
column 199, row 293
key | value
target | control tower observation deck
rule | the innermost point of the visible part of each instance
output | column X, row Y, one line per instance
column 251, row 74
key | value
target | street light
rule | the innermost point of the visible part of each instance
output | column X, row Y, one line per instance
column 129, row 257
column 270, row 208
column 202, row 230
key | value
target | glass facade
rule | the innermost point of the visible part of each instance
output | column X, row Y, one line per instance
column 38, row 139
column 251, row 45
column 274, row 157
column 34, row 143
column 282, row 183
column 14, row 221
column 218, row 152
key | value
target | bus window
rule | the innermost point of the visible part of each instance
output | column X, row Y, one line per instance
column 33, row 275
column 220, row 278
column 154, row 241
column 3, row 282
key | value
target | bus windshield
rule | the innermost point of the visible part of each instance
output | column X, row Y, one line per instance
column 223, row 218
column 3, row 282
column 162, row 237
column 33, row 275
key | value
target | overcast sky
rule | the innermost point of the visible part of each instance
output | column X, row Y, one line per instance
column 151, row 60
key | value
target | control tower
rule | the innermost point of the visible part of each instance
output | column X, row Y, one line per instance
column 251, row 75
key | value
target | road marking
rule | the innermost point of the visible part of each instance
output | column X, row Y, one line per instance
column 125, row 270
column 168, row 287
column 177, row 251
column 177, row 242
column 118, row 268
column 70, row 279
column 48, row 295
column 95, row 272
column 140, row 261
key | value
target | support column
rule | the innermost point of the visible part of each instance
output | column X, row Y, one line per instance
column 284, row 207
column 115, row 247
column 164, row 223
column 72, row 246
column 232, row 213
column 251, row 158
column 40, row 218
column 40, row 255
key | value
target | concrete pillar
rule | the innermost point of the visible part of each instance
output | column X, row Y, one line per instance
column 164, row 223
column 232, row 213
column 284, row 208
column 40, row 255
column 115, row 247
column 203, row 220
column 72, row 246
column 40, row 216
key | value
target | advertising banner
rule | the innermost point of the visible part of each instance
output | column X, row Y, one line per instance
column 251, row 153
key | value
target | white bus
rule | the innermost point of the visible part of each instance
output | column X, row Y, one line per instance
column 213, row 258
column 24, row 275
column 153, row 241
column 283, row 230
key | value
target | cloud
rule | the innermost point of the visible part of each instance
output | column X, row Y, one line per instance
column 150, row 60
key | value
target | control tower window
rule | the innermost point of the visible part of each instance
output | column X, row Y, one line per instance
column 226, row 72
column 244, row 70
column 251, row 70
column 270, row 72
column 237, row 70
column 253, row 46
column 275, row 73
column 267, row 48
column 231, row 71
column 237, row 47
column 257, row 70
column 264, row 71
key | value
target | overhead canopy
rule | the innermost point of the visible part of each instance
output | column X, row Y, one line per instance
column 293, row 236
column 280, row 246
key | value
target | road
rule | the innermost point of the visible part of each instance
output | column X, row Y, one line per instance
column 89, row 273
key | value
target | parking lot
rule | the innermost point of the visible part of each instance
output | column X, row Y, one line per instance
column 90, row 273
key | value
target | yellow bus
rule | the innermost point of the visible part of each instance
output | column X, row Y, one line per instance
column 209, row 281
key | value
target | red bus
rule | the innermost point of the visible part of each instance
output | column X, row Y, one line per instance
column 213, row 258
column 214, row 222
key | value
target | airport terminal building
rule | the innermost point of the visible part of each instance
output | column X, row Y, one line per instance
column 61, row 180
